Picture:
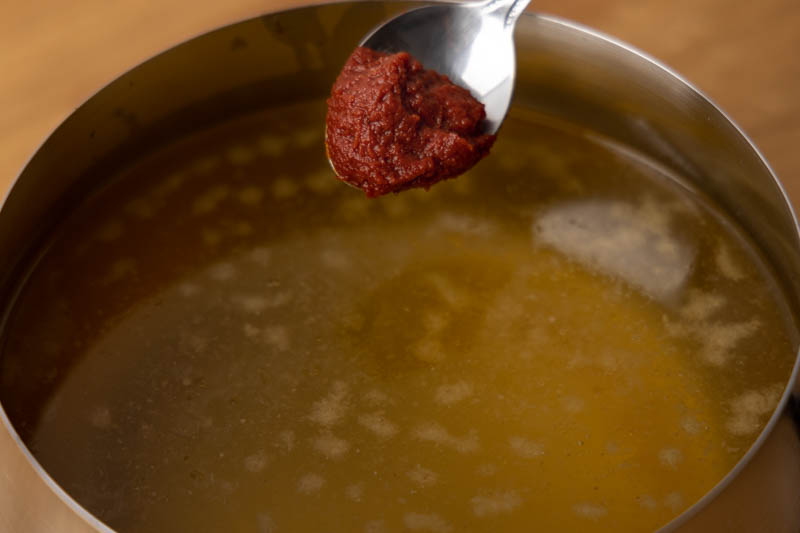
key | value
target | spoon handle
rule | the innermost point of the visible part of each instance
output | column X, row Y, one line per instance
column 507, row 10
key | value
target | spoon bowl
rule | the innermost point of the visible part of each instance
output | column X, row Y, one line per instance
column 470, row 43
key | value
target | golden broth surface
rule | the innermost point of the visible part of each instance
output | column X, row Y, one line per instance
column 225, row 338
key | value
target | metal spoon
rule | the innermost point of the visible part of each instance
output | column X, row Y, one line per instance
column 471, row 43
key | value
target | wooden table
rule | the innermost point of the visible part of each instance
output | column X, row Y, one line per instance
column 744, row 54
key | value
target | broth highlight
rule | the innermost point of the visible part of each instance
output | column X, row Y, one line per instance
column 227, row 339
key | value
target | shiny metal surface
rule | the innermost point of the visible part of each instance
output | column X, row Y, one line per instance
column 472, row 43
column 564, row 70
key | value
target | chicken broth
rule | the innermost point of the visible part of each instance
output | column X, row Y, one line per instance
column 225, row 338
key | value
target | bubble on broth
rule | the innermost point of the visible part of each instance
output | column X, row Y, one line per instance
column 252, row 303
column 422, row 477
column 670, row 457
column 265, row 523
column 464, row 224
column 378, row 424
column 240, row 228
column 211, row 236
column 726, row 265
column 621, row 240
column 435, row 321
column 210, row 199
column 168, row 185
column 283, row 187
column 322, row 181
column 437, row 434
column 717, row 340
column 674, row 501
column 592, row 511
column 188, row 289
column 120, row 269
column 277, row 337
column 430, row 522
column 240, row 155
column 573, row 404
column 486, row 470
column 110, row 231
column 308, row 137
column 223, row 271
column 429, row 351
column 310, row 484
column 525, row 448
column 261, row 255
column 692, row 426
column 250, row 331
column 256, row 303
column 452, row 393
column 141, row 207
column 206, row 165
column 100, row 417
column 272, row 145
column 748, row 410
column 250, row 195
column 454, row 296
column 701, row 305
column 376, row 398
column 336, row 259
column 355, row 492
column 331, row 409
column 375, row 526
column 331, row 446
column 286, row 440
column 495, row 503
column 256, row 462
column 647, row 502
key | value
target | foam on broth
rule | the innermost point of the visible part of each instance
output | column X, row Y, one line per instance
column 227, row 339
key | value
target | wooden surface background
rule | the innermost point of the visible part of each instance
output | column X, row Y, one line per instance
column 745, row 54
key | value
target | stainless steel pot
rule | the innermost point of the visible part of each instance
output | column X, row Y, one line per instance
column 565, row 70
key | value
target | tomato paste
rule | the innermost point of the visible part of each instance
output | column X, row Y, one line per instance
column 393, row 125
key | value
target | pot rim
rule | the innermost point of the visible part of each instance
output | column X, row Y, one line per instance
column 676, row 522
